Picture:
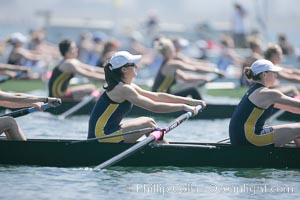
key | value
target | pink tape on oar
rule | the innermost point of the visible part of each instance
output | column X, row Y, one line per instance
column 96, row 93
column 297, row 97
column 48, row 75
column 157, row 134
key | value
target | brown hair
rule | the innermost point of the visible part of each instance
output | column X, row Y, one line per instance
column 250, row 75
column 272, row 50
column 112, row 76
column 227, row 41
column 254, row 43
column 64, row 46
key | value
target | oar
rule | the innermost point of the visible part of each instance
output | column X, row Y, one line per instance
column 223, row 140
column 154, row 136
column 280, row 112
column 25, row 111
column 87, row 99
column 114, row 135
column 200, row 84
column 275, row 115
column 4, row 78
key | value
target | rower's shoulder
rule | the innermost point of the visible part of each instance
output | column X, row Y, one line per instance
column 272, row 93
column 69, row 64
column 72, row 61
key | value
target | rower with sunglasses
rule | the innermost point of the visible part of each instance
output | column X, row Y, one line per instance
column 121, row 94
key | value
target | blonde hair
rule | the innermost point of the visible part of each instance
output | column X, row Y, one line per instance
column 163, row 44
column 254, row 42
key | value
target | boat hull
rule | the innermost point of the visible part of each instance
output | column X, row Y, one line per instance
column 61, row 153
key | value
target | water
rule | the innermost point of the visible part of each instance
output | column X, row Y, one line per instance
column 27, row 182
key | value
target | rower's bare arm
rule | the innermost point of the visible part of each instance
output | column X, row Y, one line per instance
column 167, row 98
column 76, row 67
column 91, row 68
column 13, row 67
column 289, row 76
column 24, row 99
column 190, row 78
column 130, row 94
column 8, row 104
column 290, row 69
column 29, row 55
column 195, row 68
column 288, row 103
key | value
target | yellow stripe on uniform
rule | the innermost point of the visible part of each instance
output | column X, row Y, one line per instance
column 102, row 121
column 258, row 140
column 165, row 85
column 57, row 85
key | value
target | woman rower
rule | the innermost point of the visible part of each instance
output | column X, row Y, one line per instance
column 12, row 71
column 67, row 69
column 173, row 68
column 22, row 56
column 247, row 124
column 109, row 111
column 8, row 125
column 274, row 54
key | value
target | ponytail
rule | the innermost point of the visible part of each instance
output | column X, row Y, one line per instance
column 250, row 75
column 112, row 77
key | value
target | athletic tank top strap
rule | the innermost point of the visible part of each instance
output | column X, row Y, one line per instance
column 253, row 88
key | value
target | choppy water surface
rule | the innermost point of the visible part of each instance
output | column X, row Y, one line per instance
column 25, row 182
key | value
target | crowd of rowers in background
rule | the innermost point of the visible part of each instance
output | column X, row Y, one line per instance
column 101, row 59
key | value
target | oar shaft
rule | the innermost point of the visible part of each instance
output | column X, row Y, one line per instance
column 86, row 100
column 4, row 78
column 25, row 111
column 126, row 153
column 114, row 135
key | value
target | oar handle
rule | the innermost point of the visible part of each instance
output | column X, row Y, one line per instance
column 181, row 119
column 25, row 111
column 43, row 107
column 125, row 153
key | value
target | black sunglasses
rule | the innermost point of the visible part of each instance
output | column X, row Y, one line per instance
column 130, row 65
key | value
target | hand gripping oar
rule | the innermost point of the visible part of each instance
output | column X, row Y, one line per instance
column 87, row 99
column 154, row 136
column 25, row 111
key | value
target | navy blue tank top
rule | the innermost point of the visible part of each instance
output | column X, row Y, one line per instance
column 163, row 83
column 248, row 119
column 59, row 82
column 106, row 116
